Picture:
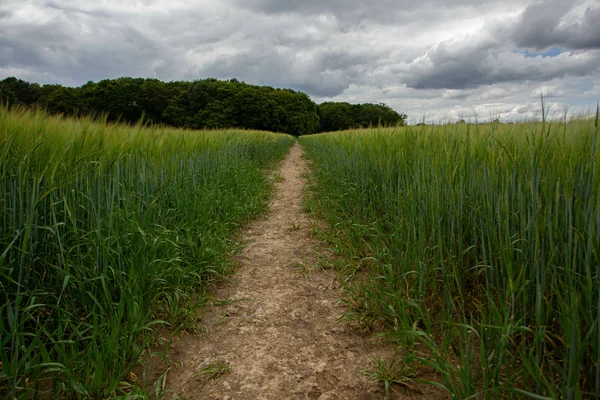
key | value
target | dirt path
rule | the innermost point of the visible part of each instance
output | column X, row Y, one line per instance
column 280, row 339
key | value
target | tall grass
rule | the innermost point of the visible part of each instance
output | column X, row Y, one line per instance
column 486, row 241
column 106, row 233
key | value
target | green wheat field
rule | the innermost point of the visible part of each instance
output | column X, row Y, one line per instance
column 474, row 248
column 107, row 233
column 482, row 246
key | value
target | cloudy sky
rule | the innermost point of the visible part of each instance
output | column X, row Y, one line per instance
column 433, row 59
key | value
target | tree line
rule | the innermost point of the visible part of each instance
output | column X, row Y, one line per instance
column 202, row 104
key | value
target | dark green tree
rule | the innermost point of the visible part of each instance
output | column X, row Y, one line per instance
column 339, row 116
column 336, row 116
column 153, row 97
column 26, row 93
column 116, row 97
column 59, row 99
column 206, row 103
column 216, row 115
column 7, row 96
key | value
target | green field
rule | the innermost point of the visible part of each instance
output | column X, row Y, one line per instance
column 107, row 233
column 477, row 247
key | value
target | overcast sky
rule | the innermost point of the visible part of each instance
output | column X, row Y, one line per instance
column 432, row 59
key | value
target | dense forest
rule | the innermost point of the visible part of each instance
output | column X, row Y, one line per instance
column 208, row 103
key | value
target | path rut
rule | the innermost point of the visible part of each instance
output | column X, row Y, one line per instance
column 281, row 338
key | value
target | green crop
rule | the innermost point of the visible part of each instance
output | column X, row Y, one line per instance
column 108, row 232
column 481, row 246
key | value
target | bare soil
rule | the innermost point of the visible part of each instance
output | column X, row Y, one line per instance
column 280, row 338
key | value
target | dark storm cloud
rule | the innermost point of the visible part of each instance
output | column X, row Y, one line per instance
column 490, row 57
column 13, row 53
column 69, row 8
column 445, row 67
column 450, row 67
column 323, row 74
column 72, row 45
column 356, row 15
column 375, row 10
column 546, row 24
